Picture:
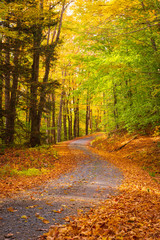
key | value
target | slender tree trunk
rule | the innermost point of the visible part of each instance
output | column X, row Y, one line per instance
column 104, row 112
column 48, row 131
column 75, row 124
column 76, row 119
column 87, row 114
column 115, row 111
column 48, row 121
column 1, row 109
column 65, row 120
column 78, row 130
column 69, row 113
column 53, row 118
column 91, row 125
column 59, row 124
column 7, row 88
column 27, row 114
column 70, row 126
column 1, row 94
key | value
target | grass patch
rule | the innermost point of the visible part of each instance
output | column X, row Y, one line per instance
column 28, row 172
column 152, row 174
column 7, row 171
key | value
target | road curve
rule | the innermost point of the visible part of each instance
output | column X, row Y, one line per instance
column 92, row 181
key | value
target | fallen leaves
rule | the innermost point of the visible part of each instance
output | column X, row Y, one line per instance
column 42, row 218
column 31, row 206
column 45, row 221
column 134, row 214
column 128, row 216
column 24, row 217
column 10, row 209
column 58, row 211
column 53, row 161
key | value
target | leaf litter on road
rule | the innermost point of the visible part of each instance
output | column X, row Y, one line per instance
column 132, row 215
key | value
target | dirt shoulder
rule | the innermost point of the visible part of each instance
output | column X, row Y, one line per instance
column 135, row 213
column 137, row 156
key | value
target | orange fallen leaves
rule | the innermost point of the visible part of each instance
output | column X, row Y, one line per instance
column 10, row 209
column 134, row 214
column 46, row 221
column 58, row 211
column 125, row 217
column 54, row 165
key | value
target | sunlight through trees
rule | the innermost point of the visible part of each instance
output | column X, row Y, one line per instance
column 70, row 68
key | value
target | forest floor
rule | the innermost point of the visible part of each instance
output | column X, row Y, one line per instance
column 28, row 213
column 133, row 214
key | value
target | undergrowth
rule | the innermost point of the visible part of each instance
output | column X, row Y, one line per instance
column 27, row 162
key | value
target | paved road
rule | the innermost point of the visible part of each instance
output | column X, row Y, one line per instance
column 26, row 216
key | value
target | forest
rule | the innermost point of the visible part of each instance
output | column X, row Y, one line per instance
column 73, row 67
column 80, row 119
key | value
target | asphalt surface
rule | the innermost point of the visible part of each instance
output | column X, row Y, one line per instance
column 30, row 213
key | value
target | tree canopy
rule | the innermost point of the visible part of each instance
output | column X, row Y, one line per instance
column 69, row 68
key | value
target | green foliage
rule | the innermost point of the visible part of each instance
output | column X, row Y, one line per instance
column 122, row 63
column 108, row 61
column 152, row 174
column 2, row 149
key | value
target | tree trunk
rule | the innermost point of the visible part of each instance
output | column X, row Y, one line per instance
column 43, row 87
column 27, row 114
column 35, row 121
column 7, row 89
column 48, row 131
column 13, row 99
column 59, row 124
column 104, row 112
column 78, row 133
column 69, row 113
column 115, row 111
column 76, row 119
column 48, row 120
column 91, row 125
column 65, row 120
column 87, row 114
column 1, row 96
column 53, row 118
column 36, row 110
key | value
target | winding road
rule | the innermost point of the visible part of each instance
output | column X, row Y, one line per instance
column 30, row 213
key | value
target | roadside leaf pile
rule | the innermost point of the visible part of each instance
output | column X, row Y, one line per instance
column 123, row 217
